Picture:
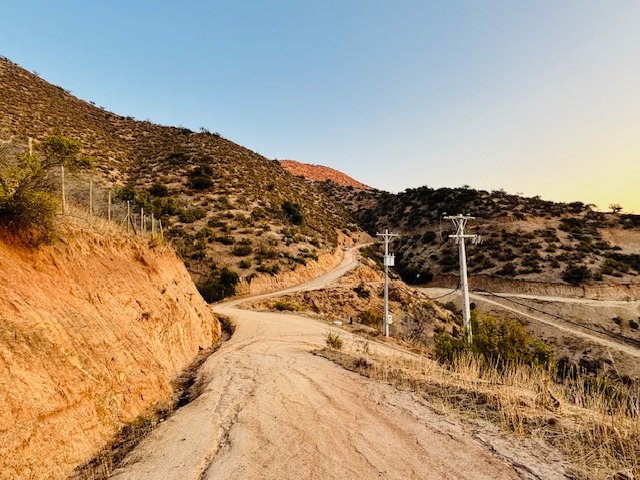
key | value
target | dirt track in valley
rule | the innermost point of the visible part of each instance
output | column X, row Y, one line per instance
column 595, row 337
column 270, row 409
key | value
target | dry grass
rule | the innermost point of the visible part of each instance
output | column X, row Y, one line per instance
column 599, row 437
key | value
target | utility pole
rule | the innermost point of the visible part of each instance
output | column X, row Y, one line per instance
column 389, row 261
column 460, row 221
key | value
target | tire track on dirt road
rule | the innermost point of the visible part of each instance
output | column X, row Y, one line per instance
column 271, row 409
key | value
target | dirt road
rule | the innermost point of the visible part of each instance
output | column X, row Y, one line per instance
column 272, row 410
column 591, row 336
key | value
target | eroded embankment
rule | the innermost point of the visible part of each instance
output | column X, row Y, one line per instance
column 92, row 332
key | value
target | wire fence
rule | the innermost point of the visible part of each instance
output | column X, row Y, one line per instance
column 82, row 195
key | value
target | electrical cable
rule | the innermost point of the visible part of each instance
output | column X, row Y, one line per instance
column 448, row 293
column 615, row 336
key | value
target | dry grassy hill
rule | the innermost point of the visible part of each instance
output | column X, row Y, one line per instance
column 527, row 239
column 223, row 204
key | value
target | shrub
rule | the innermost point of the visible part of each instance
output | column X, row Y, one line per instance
column 576, row 274
column 201, row 183
column 270, row 269
column 334, row 340
column 370, row 317
column 27, row 206
column 219, row 285
column 501, row 343
column 633, row 324
column 361, row 291
column 507, row 270
column 293, row 212
column 246, row 263
column 159, row 190
column 29, row 213
column 242, row 250
column 191, row 215
column 286, row 306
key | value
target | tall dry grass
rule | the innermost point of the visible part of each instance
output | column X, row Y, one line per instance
column 596, row 430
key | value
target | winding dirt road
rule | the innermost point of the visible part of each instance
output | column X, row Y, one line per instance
column 270, row 409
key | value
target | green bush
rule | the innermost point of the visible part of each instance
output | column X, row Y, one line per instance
column 30, row 214
column 159, row 190
column 576, row 274
column 27, row 204
column 370, row 317
column 293, row 212
column 500, row 343
column 334, row 340
column 361, row 290
column 286, row 306
column 191, row 215
column 221, row 284
column 246, row 263
column 201, row 183
column 242, row 250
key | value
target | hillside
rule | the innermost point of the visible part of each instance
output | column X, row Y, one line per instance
column 526, row 239
column 81, row 351
column 224, row 205
column 319, row 173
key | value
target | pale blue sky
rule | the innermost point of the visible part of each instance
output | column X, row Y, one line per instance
column 538, row 97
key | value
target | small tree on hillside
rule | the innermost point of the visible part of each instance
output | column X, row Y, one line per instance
column 615, row 207
column 27, row 205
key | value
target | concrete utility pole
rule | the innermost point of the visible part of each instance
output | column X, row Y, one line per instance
column 389, row 261
column 460, row 221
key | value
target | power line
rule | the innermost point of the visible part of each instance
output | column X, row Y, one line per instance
column 446, row 294
column 615, row 336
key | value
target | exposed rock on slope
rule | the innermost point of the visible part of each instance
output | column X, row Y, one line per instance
column 321, row 174
column 92, row 331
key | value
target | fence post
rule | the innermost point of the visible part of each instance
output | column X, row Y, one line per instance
column 64, row 195
column 141, row 220
column 128, row 216
column 109, row 207
column 90, row 198
column 153, row 225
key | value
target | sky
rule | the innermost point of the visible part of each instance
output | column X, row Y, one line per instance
column 534, row 97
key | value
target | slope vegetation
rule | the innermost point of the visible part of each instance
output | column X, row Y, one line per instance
column 223, row 204
column 93, row 330
column 527, row 239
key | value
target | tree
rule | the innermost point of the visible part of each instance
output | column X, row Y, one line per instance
column 615, row 207
column 27, row 203
column 293, row 211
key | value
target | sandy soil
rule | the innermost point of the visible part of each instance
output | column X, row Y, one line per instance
column 271, row 409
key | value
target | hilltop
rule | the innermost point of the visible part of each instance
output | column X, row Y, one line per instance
column 222, row 204
column 319, row 173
